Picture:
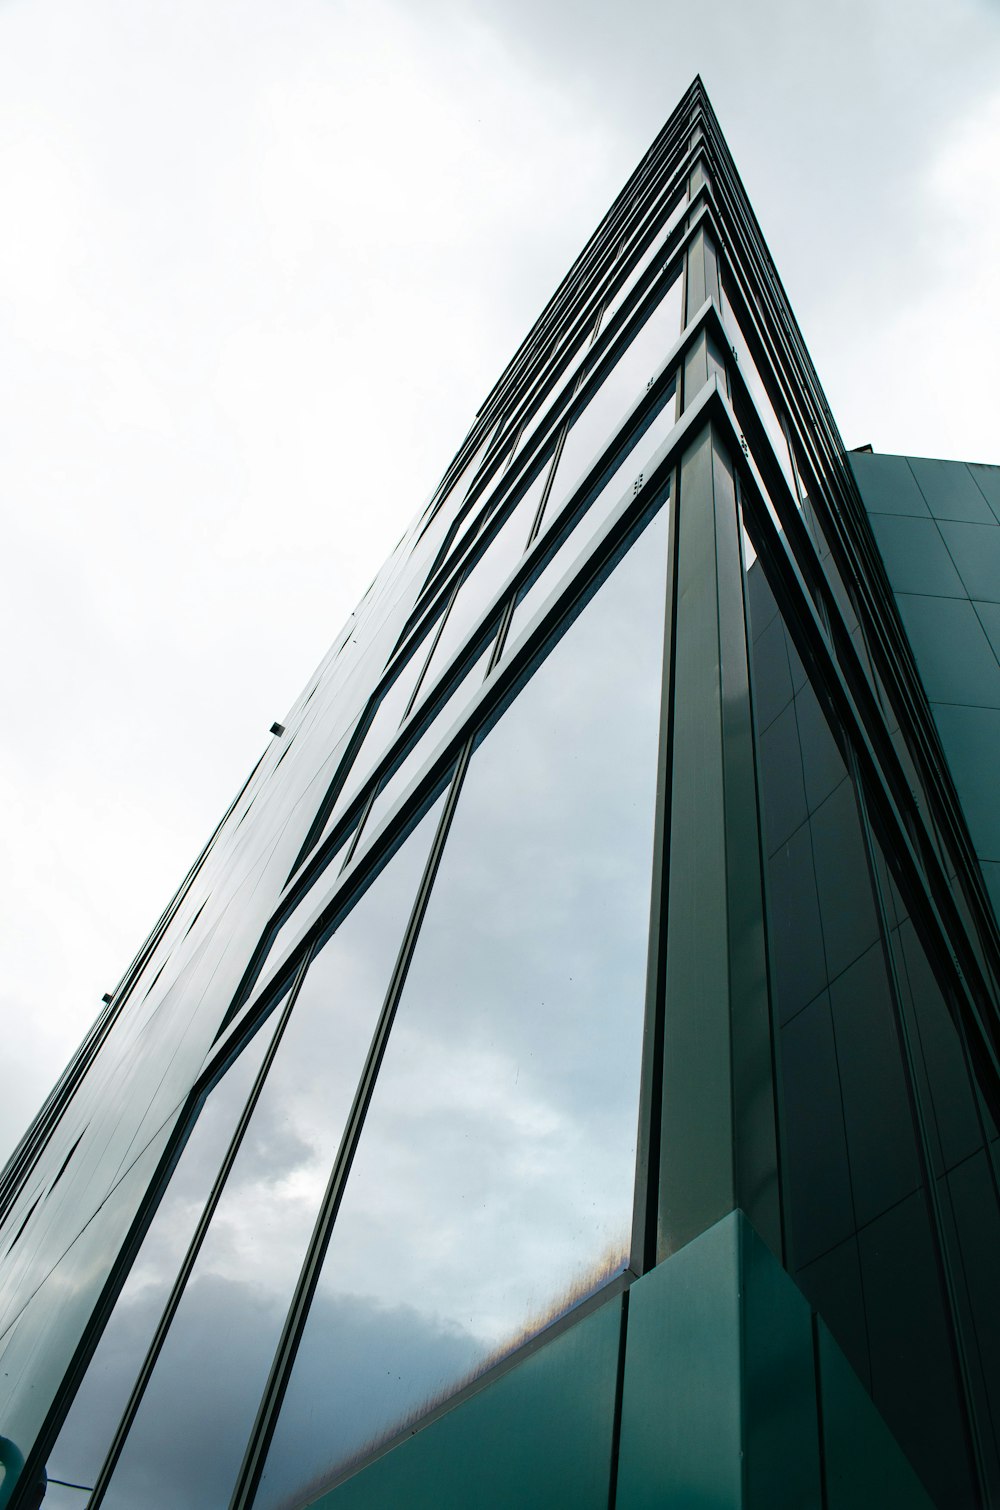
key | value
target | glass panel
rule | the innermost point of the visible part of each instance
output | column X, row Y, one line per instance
column 188, row 1438
column 100, row 1401
column 466, row 477
column 959, row 1131
column 34, row 1348
column 492, row 1187
column 861, row 1229
column 482, row 524
column 760, row 395
column 483, row 579
column 628, row 474
column 545, row 408
column 536, row 592
column 655, row 247
column 385, row 721
column 621, row 389
column 395, row 783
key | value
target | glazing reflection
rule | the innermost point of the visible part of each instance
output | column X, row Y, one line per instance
column 100, row 1402
column 619, row 392
column 207, row 1382
column 492, row 1187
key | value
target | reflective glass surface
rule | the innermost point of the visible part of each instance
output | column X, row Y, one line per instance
column 32, row 1358
column 626, row 479
column 619, row 392
column 759, row 394
column 384, row 723
column 101, row 1399
column 493, row 1182
column 544, row 404
column 394, row 784
column 482, row 580
column 655, row 247
column 230, row 1316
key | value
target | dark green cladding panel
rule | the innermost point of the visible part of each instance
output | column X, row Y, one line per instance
column 865, row 1469
column 718, row 1406
column 538, row 1438
column 944, row 570
column 680, row 1431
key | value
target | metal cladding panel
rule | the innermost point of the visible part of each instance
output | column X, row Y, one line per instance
column 864, row 1468
column 937, row 525
column 540, row 1437
column 718, row 1405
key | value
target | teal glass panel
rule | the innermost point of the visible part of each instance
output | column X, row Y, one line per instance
column 989, row 617
column 950, row 490
column 953, row 655
column 863, row 1468
column 887, row 485
column 987, row 480
column 854, row 1188
column 975, row 550
column 971, row 739
column 913, row 1375
column 230, row 1315
column 493, row 1183
column 916, row 558
column 718, row 1395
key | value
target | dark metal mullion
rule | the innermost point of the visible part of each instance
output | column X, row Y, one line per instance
column 647, row 1168
column 925, row 1163
column 194, row 1247
column 460, row 578
column 560, row 446
column 502, row 631
column 781, row 1142
column 332, row 794
column 274, row 1390
column 541, row 436
column 499, row 682
column 362, row 820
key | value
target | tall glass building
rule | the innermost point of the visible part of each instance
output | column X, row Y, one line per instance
column 568, row 1077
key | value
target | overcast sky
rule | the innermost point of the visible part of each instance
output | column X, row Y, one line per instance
column 262, row 259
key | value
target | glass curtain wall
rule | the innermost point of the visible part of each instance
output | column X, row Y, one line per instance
column 448, row 1107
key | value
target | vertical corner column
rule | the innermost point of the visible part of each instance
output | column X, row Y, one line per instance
column 718, row 1144
column 701, row 282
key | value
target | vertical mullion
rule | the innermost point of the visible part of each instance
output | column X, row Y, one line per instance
column 194, row 1248
column 647, row 1175
column 262, row 1430
column 751, row 1051
column 696, row 1176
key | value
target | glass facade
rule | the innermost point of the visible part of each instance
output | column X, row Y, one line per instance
column 606, row 880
